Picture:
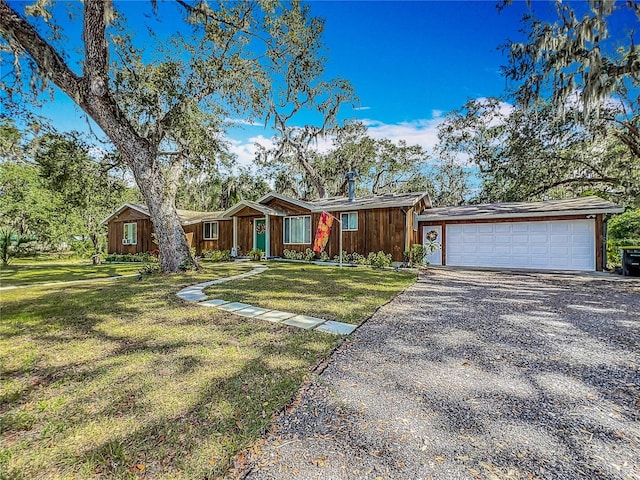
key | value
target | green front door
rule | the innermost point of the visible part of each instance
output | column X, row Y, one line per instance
column 260, row 233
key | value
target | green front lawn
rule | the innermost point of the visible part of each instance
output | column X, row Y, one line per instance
column 17, row 274
column 124, row 380
column 348, row 294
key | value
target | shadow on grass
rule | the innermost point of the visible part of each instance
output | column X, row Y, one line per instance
column 125, row 378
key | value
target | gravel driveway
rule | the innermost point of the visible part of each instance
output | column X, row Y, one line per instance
column 475, row 374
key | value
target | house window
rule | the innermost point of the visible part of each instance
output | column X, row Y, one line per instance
column 349, row 221
column 415, row 221
column 130, row 234
column 297, row 229
column 210, row 230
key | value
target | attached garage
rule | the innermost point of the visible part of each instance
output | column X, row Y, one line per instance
column 550, row 235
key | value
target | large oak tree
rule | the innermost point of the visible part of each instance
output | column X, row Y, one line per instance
column 164, row 102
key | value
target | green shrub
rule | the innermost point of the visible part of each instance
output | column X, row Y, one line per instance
column 217, row 255
column 377, row 260
column 324, row 256
column 293, row 255
column 380, row 259
column 256, row 254
column 10, row 244
column 309, row 255
column 416, row 255
column 622, row 231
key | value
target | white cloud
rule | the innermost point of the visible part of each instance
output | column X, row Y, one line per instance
column 423, row 132
column 357, row 109
column 246, row 151
column 436, row 113
column 243, row 121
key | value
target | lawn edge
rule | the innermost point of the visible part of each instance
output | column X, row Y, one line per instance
column 245, row 461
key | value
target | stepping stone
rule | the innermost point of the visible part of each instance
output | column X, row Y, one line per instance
column 251, row 311
column 337, row 328
column 276, row 316
column 194, row 296
column 214, row 303
column 232, row 307
column 303, row 321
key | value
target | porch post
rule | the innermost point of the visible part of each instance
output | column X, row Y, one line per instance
column 235, row 233
column 267, row 237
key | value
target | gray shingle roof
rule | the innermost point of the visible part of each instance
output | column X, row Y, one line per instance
column 187, row 217
column 580, row 205
column 371, row 201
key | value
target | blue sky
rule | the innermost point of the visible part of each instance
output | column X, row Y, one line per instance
column 410, row 63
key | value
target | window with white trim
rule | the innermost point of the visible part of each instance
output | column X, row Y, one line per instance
column 210, row 230
column 297, row 230
column 130, row 234
column 415, row 221
column 349, row 221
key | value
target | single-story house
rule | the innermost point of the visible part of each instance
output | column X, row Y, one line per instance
column 276, row 222
column 556, row 234
column 550, row 235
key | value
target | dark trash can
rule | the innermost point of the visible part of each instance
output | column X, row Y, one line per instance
column 631, row 261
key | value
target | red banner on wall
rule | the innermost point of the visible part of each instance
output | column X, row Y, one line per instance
column 322, row 234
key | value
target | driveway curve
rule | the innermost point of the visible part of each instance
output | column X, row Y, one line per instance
column 475, row 374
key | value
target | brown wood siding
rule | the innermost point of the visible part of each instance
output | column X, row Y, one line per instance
column 286, row 207
column 380, row 229
column 245, row 234
column 248, row 212
column 195, row 236
column 115, row 232
column 275, row 236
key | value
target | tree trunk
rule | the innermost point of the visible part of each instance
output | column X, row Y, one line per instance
column 91, row 93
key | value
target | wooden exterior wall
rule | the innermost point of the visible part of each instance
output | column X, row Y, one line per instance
column 115, row 232
column 599, row 231
column 380, row 229
column 195, row 234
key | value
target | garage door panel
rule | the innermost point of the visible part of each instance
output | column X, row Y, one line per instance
column 486, row 248
column 519, row 227
column 485, row 228
column 537, row 238
column 520, row 249
column 520, row 238
column 560, row 244
column 559, row 239
column 470, row 248
column 539, row 249
column 503, row 249
column 538, row 227
column 559, row 250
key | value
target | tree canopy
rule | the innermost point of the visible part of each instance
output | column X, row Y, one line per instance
column 166, row 101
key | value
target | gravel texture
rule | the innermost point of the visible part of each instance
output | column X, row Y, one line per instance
column 475, row 374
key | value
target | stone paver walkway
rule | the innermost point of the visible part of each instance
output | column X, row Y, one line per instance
column 195, row 293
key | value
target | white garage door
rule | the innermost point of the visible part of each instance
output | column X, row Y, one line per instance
column 554, row 245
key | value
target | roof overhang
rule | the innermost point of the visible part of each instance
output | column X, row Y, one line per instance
column 425, row 217
column 254, row 205
column 284, row 198
column 353, row 206
column 122, row 208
